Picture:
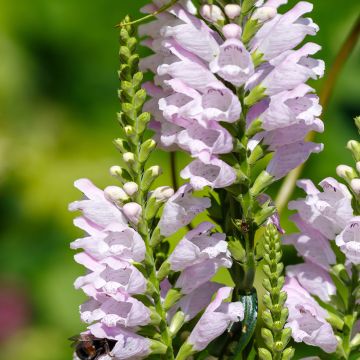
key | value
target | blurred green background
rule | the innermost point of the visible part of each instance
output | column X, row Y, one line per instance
column 58, row 104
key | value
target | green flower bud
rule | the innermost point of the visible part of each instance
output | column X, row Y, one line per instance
column 149, row 176
column 121, row 145
column 257, row 154
column 172, row 297
column 261, row 183
column 288, row 354
column 354, row 147
column 139, row 99
column 142, row 121
column 164, row 270
column 279, row 346
column 286, row 336
column 156, row 347
column 346, row 172
column 267, row 318
column 357, row 122
column 254, row 128
column 268, row 337
column 129, row 131
column 120, row 173
column 176, row 323
column 146, row 149
column 265, row 354
column 256, row 94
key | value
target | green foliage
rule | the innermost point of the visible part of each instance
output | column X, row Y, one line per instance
column 275, row 336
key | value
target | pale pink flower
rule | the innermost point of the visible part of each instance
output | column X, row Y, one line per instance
column 307, row 318
column 215, row 320
column 284, row 32
column 311, row 244
column 313, row 279
column 349, row 240
column 180, row 209
column 118, row 309
column 327, row 211
column 96, row 208
column 115, row 240
column 209, row 171
column 199, row 245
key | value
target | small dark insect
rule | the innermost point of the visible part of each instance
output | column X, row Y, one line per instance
column 89, row 347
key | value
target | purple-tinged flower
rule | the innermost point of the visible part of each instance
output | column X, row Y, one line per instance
column 199, row 245
column 96, row 208
column 110, row 276
column 194, row 276
column 287, row 108
column 288, row 70
column 313, row 279
column 284, row 32
column 307, row 318
column 290, row 156
column 310, row 243
column 133, row 212
column 215, row 320
column 233, row 63
column 349, row 240
column 194, row 302
column 209, row 171
column 327, row 211
column 115, row 310
column 115, row 240
column 180, row 209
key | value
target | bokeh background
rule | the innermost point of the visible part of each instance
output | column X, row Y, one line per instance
column 58, row 104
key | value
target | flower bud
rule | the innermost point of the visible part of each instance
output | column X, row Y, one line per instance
column 177, row 322
column 131, row 188
column 171, row 298
column 149, row 176
column 357, row 122
column 358, row 167
column 120, row 173
column 129, row 158
column 346, row 172
column 232, row 31
column 354, row 147
column 264, row 354
column 355, row 186
column 212, row 13
column 264, row 13
column 116, row 194
column 162, row 193
column 133, row 212
column 121, row 145
column 232, row 11
column 157, row 347
column 261, row 183
column 145, row 150
column 129, row 131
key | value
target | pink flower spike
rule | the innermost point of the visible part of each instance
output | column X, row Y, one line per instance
column 349, row 240
column 180, row 209
column 216, row 318
column 209, row 171
column 233, row 63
